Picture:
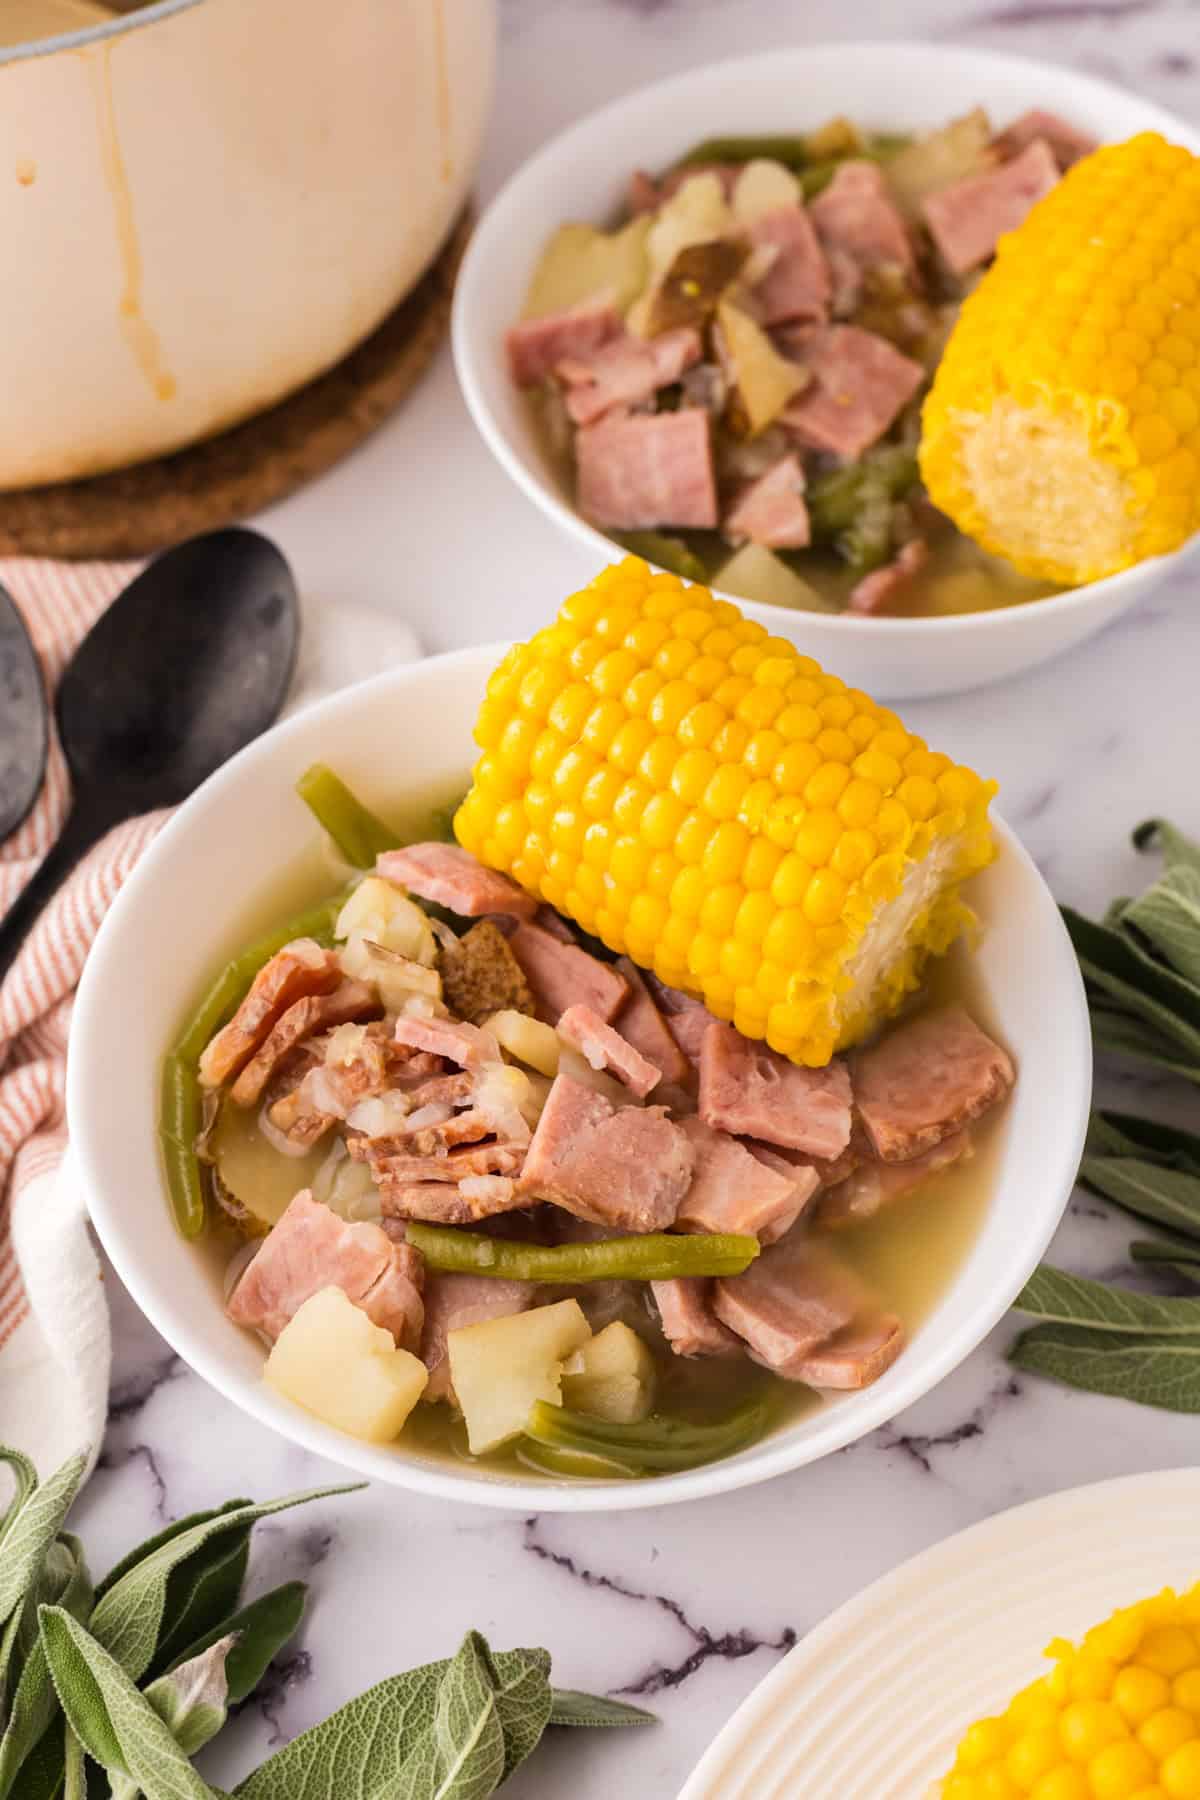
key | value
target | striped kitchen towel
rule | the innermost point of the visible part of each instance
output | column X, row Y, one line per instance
column 54, row 1328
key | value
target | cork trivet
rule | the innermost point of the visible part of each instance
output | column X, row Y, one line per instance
column 133, row 511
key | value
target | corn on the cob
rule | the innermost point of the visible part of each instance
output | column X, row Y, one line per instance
column 708, row 801
column 1117, row 1718
column 1062, row 430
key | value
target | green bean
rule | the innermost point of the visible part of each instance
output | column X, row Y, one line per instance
column 179, row 1107
column 654, row 1256
column 578, row 1465
column 179, row 1125
column 668, row 552
column 654, row 1445
column 358, row 835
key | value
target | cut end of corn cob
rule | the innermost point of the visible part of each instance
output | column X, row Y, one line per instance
column 709, row 802
column 1115, row 1719
column 1062, row 430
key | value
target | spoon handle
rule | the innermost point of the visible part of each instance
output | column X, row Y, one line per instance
column 85, row 826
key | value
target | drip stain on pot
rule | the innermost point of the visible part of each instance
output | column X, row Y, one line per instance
column 441, row 58
column 139, row 333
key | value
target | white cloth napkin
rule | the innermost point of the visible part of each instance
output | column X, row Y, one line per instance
column 55, row 1349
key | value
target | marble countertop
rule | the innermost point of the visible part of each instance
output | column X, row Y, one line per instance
column 686, row 1608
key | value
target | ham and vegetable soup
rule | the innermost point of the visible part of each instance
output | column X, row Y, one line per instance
column 481, row 1182
column 730, row 381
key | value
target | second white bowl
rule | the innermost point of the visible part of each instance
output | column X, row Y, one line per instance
column 581, row 175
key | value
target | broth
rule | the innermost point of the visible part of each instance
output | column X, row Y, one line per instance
column 910, row 1253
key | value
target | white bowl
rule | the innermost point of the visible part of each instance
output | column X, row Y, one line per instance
column 206, row 882
column 581, row 175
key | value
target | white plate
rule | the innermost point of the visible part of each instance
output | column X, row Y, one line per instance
column 873, row 1702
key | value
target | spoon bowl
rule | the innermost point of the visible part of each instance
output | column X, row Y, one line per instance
column 188, row 664
column 24, row 719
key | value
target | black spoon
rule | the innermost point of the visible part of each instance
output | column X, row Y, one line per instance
column 24, row 719
column 186, row 666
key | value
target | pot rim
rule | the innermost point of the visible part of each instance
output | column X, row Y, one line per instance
column 96, row 34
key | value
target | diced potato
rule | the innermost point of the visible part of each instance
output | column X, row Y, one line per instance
column 509, row 1098
column 526, row 1039
column 611, row 1376
column 765, row 380
column 378, row 912
column 696, row 213
column 756, row 573
column 499, row 1368
column 332, row 1361
column 959, row 149
column 763, row 187
column 580, row 263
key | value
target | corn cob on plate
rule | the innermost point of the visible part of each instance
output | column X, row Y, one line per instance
column 710, row 802
column 1062, row 430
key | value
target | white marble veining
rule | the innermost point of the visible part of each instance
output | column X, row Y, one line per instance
column 688, row 1607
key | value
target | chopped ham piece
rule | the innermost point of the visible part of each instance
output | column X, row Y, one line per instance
column 874, row 1184
column 855, row 1357
column 298, row 970
column 626, row 371
column 327, row 1093
column 924, row 1081
column 555, row 924
column 349, row 1000
column 876, row 591
column 859, row 223
column 860, row 384
column 643, row 1026
column 647, row 469
column 687, row 1018
column 735, row 1190
column 799, row 1173
column 968, row 218
column 467, row 1159
column 790, row 1302
column 466, row 1045
column 771, row 510
column 1067, row 143
column 832, row 1169
column 451, row 877
column 751, row 1091
column 563, row 975
column 443, row 1203
column 689, row 1324
column 585, row 1031
column 796, row 284
column 310, row 1248
column 536, row 346
column 628, row 1169
column 452, row 1302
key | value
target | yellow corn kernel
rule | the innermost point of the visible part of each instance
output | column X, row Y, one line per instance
column 803, row 853
column 1101, row 1725
column 1071, row 445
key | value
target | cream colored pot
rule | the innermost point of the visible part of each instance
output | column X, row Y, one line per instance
column 205, row 203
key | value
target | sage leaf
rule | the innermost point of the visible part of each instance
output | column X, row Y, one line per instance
column 115, row 1724
column 1168, row 916
column 25, row 1479
column 42, row 1774
column 1174, row 1252
column 33, row 1530
column 260, row 1631
column 1179, row 850
column 568, row 1707
column 1115, row 962
column 1153, row 1371
column 64, row 1582
column 176, row 1528
column 1121, row 1134
column 428, row 1734
column 1124, row 1036
column 1167, row 1196
column 75, row 1781
column 200, row 1593
column 128, row 1619
column 1052, row 1294
column 192, row 1701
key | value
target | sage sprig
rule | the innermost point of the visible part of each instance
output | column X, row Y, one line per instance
column 134, row 1677
column 1141, row 967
